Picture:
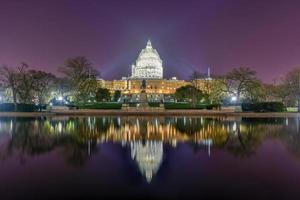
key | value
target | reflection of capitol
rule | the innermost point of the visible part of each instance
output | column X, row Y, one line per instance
column 144, row 136
column 148, row 157
column 172, row 132
column 155, row 132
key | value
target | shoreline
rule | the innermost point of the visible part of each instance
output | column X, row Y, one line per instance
column 107, row 112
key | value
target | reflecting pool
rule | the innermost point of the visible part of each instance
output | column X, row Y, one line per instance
column 158, row 157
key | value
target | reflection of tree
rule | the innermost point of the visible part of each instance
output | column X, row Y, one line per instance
column 188, row 124
column 262, row 121
column 292, row 141
column 238, row 137
column 77, row 137
column 37, row 136
column 78, row 153
column 244, row 140
column 25, row 136
column 289, row 134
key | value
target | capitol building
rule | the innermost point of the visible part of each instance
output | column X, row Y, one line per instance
column 148, row 64
column 148, row 67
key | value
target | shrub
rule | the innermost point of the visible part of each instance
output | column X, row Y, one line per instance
column 21, row 107
column 132, row 104
column 7, row 107
column 178, row 106
column 190, row 106
column 100, row 106
column 213, row 106
column 154, row 104
column 263, row 107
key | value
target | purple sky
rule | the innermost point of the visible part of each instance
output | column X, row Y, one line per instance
column 188, row 34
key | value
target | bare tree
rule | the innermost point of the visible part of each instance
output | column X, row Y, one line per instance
column 292, row 81
column 278, row 92
column 43, row 82
column 195, row 76
column 82, row 76
column 241, row 81
column 9, row 80
column 25, row 84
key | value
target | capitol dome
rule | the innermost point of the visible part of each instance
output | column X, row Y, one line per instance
column 148, row 64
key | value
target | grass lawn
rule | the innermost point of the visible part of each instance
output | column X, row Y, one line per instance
column 292, row 109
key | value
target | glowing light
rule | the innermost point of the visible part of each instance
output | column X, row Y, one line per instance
column 60, row 98
column 233, row 99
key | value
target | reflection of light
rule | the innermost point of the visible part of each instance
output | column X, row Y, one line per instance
column 208, row 143
column 174, row 143
column 59, row 127
column 233, row 99
column 158, row 129
column 119, row 121
column 60, row 98
column 11, row 125
column 234, row 126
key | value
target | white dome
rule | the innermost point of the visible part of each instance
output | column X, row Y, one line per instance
column 148, row 65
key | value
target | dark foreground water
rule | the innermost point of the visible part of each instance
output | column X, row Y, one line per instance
column 153, row 157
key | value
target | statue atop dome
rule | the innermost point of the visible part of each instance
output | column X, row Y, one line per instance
column 149, row 45
column 148, row 64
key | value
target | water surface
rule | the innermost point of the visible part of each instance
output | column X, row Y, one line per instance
column 159, row 157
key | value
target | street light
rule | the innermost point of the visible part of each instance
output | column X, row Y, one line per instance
column 233, row 99
column 60, row 98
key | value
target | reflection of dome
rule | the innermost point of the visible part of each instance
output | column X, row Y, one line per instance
column 148, row 157
column 148, row 65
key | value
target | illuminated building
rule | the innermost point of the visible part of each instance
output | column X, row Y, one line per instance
column 148, row 67
column 148, row 64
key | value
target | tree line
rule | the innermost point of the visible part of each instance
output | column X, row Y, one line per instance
column 241, row 85
column 77, row 80
column 23, row 84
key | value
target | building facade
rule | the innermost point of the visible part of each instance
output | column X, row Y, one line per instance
column 149, row 67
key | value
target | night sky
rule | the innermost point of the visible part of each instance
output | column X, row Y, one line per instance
column 188, row 34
